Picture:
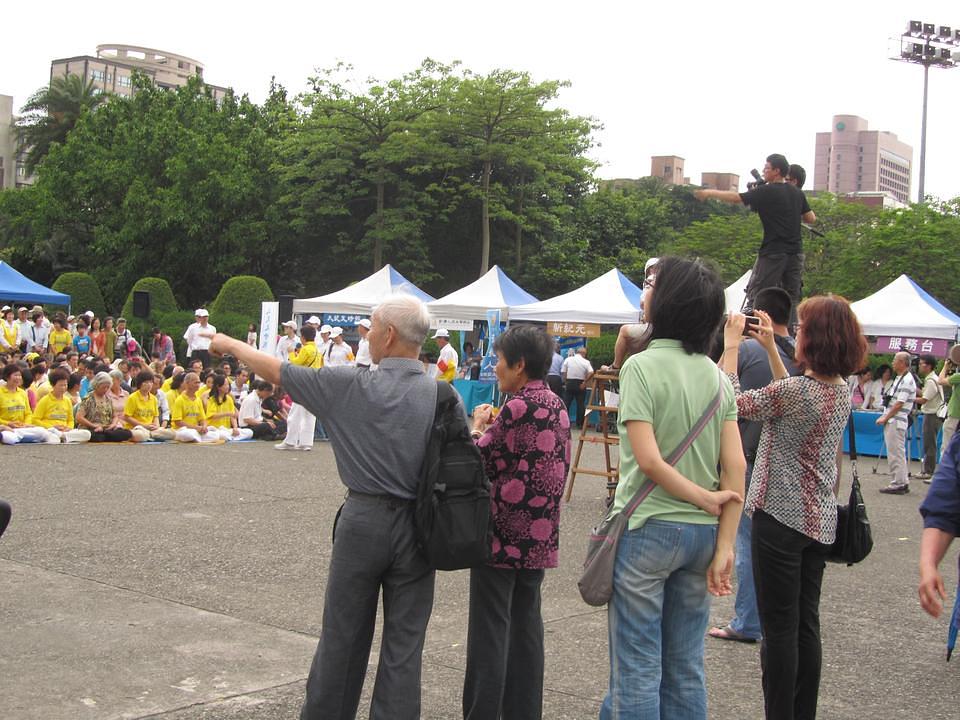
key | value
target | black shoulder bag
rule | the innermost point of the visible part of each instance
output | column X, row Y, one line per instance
column 854, row 539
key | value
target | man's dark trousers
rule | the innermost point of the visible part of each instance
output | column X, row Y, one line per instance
column 931, row 428
column 374, row 547
column 574, row 390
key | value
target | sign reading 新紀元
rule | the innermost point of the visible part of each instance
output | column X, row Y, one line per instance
column 571, row 329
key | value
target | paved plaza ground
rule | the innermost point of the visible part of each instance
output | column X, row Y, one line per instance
column 185, row 582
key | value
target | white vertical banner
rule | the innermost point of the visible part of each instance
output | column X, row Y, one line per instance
column 269, row 322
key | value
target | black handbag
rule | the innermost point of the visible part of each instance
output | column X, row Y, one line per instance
column 854, row 539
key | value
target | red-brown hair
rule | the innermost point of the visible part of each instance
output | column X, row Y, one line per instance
column 830, row 341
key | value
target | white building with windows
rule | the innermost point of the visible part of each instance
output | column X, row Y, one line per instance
column 13, row 172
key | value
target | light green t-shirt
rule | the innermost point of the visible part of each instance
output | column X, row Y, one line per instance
column 670, row 389
column 953, row 407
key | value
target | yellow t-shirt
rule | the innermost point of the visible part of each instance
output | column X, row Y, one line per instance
column 308, row 356
column 146, row 411
column 60, row 340
column 187, row 410
column 42, row 390
column 166, row 384
column 51, row 412
column 10, row 333
column 15, row 406
column 227, row 406
column 172, row 396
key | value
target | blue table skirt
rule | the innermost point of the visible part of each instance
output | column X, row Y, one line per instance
column 870, row 436
column 474, row 392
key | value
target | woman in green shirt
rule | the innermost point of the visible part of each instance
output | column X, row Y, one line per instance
column 674, row 552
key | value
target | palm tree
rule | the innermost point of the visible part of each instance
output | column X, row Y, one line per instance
column 52, row 112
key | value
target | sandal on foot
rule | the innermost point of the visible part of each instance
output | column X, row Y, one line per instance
column 728, row 633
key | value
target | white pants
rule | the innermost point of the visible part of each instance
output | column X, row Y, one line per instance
column 71, row 436
column 227, row 435
column 190, row 435
column 895, row 437
column 949, row 428
column 301, row 424
column 142, row 434
column 30, row 434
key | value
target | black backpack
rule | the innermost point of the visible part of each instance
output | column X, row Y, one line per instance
column 453, row 498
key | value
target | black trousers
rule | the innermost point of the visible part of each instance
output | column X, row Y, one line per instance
column 262, row 431
column 777, row 270
column 788, row 573
column 504, row 678
column 555, row 383
column 574, row 390
column 931, row 427
column 203, row 355
column 115, row 435
column 5, row 514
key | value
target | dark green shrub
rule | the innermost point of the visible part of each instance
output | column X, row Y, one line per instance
column 242, row 295
column 83, row 291
column 600, row 349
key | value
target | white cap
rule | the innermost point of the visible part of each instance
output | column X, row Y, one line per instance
column 290, row 324
column 363, row 323
column 5, row 308
column 336, row 332
column 326, row 330
column 200, row 312
column 90, row 313
column 71, row 317
column 649, row 263
column 22, row 309
column 441, row 333
column 314, row 320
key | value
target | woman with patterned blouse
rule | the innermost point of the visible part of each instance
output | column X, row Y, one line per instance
column 792, row 497
column 96, row 413
column 526, row 452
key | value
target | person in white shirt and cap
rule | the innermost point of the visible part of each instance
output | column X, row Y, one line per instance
column 198, row 337
column 363, row 347
column 449, row 360
column 340, row 354
column 289, row 341
column 324, row 343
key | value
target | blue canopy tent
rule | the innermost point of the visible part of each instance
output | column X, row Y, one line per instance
column 16, row 287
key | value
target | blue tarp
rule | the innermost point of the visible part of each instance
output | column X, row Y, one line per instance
column 19, row 288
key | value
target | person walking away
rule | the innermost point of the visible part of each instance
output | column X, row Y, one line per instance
column 575, row 371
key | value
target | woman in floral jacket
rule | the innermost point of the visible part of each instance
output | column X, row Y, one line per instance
column 526, row 451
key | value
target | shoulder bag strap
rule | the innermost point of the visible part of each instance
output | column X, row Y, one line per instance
column 648, row 485
column 852, row 436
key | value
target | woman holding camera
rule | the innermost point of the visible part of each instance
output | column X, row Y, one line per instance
column 792, row 497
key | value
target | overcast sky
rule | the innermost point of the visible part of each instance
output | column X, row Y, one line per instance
column 718, row 85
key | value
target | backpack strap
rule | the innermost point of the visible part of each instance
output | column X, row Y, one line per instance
column 649, row 485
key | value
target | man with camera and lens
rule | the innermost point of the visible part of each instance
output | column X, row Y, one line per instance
column 950, row 378
column 782, row 208
column 894, row 420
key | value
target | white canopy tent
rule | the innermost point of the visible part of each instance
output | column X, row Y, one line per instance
column 363, row 296
column 736, row 293
column 905, row 308
column 494, row 290
column 609, row 299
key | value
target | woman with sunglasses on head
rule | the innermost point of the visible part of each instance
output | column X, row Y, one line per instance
column 792, row 498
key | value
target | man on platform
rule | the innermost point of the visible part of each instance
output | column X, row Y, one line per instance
column 897, row 406
column 375, row 544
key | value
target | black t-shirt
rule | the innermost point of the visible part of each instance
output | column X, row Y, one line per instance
column 780, row 207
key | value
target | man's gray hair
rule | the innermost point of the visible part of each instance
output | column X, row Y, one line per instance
column 903, row 357
column 408, row 315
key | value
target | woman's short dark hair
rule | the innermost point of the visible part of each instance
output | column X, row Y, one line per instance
column 177, row 381
column 56, row 376
column 687, row 303
column 10, row 370
column 530, row 343
column 830, row 341
column 141, row 377
column 878, row 373
column 308, row 333
column 74, row 381
column 775, row 302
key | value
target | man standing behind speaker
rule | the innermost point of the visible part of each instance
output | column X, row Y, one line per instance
column 782, row 207
column 198, row 337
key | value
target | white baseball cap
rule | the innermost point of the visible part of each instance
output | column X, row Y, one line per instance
column 336, row 332
column 325, row 330
column 650, row 263
column 363, row 323
column 290, row 324
column 5, row 308
column 89, row 313
column 200, row 312
column 314, row 320
column 441, row 333
column 22, row 309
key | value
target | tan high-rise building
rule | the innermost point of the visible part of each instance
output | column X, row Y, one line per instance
column 13, row 171
column 852, row 158
column 112, row 68
column 668, row 168
column 720, row 181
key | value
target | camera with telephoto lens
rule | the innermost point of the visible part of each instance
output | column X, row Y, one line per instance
column 757, row 180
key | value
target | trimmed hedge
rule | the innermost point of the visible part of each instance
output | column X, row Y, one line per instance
column 241, row 295
column 600, row 349
column 83, row 291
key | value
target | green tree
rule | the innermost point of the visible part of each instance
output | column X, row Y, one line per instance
column 52, row 112
column 242, row 295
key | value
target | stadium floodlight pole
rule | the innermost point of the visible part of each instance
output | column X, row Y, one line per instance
column 928, row 45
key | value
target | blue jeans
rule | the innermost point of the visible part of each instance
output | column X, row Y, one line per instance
column 656, row 622
column 746, row 620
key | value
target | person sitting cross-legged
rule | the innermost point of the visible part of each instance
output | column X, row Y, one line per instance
column 251, row 413
column 54, row 411
column 16, row 417
column 222, row 412
column 188, row 416
column 141, row 411
column 96, row 413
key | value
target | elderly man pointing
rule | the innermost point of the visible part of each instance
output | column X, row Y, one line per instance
column 374, row 545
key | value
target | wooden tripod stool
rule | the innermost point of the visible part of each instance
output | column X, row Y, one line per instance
column 598, row 383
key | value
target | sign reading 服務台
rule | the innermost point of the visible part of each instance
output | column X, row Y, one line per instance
column 915, row 345
column 569, row 329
